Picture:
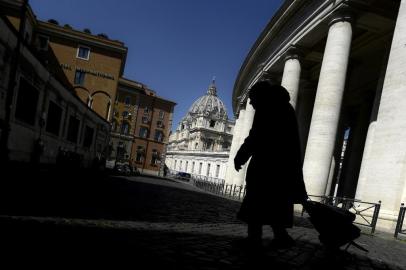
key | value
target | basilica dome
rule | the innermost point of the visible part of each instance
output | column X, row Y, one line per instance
column 209, row 105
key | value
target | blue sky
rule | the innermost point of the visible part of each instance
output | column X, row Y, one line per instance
column 175, row 47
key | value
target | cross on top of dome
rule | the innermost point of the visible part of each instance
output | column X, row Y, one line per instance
column 212, row 88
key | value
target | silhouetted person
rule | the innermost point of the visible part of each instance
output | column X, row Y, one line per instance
column 274, row 180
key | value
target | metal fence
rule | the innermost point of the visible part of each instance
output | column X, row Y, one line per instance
column 215, row 185
column 401, row 217
column 233, row 192
column 366, row 212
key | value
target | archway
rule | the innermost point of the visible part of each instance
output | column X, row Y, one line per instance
column 101, row 103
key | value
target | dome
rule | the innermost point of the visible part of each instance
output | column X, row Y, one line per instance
column 209, row 105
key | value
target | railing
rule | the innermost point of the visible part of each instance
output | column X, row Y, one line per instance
column 234, row 192
column 216, row 186
column 401, row 217
column 359, row 208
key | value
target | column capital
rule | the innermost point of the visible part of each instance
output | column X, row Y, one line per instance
column 269, row 76
column 342, row 14
column 293, row 52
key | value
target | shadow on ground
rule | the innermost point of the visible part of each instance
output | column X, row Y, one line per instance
column 94, row 195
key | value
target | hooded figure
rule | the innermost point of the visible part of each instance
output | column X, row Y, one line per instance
column 274, row 180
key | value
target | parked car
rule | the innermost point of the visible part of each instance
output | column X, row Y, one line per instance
column 126, row 169
column 134, row 171
column 122, row 169
column 183, row 176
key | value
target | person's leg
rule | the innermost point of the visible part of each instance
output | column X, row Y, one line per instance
column 255, row 233
column 281, row 237
column 279, row 232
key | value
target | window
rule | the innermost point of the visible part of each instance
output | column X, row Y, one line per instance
column 143, row 132
column 127, row 101
column 26, row 106
column 200, row 167
column 212, row 123
column 146, row 110
column 83, row 52
column 159, row 136
column 217, row 171
column 125, row 128
column 186, row 166
column 88, row 138
column 175, row 164
column 53, row 118
column 145, row 119
column 79, row 77
column 43, row 43
column 208, row 169
column 160, row 124
column 155, row 157
column 73, row 129
column 193, row 167
column 180, row 165
column 161, row 115
column 125, row 114
column 140, row 154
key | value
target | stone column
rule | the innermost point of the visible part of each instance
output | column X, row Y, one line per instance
column 291, row 74
column 363, row 173
column 326, row 111
column 235, row 145
column 245, row 129
column 385, row 179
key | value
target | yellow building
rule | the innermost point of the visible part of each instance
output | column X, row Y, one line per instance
column 91, row 64
column 42, row 120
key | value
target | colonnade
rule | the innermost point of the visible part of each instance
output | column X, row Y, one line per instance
column 326, row 110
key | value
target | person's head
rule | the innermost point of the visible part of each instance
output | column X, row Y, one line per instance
column 263, row 94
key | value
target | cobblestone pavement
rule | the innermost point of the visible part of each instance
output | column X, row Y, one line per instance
column 152, row 222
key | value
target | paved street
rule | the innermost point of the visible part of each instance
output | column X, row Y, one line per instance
column 152, row 222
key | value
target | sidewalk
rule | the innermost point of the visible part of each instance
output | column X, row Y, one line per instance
column 173, row 225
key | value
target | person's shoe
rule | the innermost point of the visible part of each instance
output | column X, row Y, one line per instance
column 282, row 242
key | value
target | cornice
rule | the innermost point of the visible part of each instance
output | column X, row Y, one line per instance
column 87, row 39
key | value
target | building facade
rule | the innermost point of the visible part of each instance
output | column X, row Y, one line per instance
column 343, row 65
column 46, row 122
column 141, row 124
column 90, row 64
column 90, row 67
column 201, row 143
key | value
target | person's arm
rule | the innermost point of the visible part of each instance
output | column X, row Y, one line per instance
column 247, row 148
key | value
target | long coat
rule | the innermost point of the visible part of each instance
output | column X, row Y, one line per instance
column 274, row 180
